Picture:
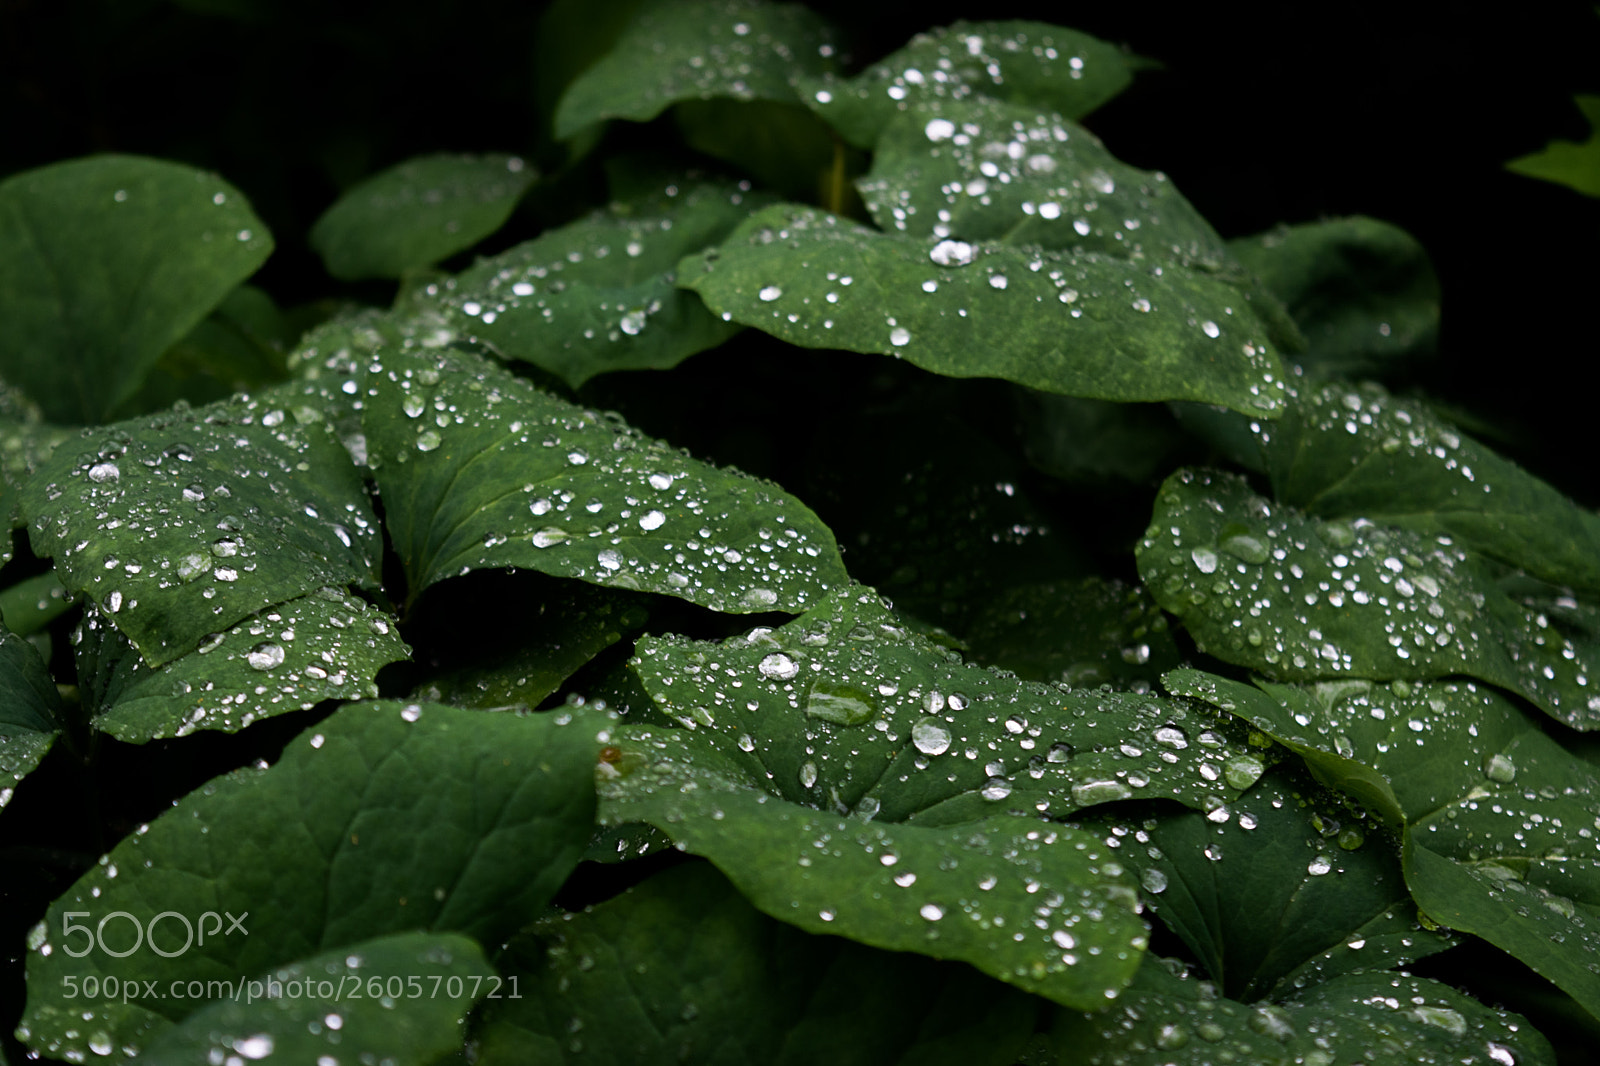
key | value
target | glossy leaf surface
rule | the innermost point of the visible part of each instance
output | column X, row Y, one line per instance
column 30, row 711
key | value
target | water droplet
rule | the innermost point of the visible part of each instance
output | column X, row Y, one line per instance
column 1319, row 866
column 548, row 536
column 428, row 440
column 778, row 666
column 651, row 520
column 1205, row 559
column 1210, row 329
column 632, row 323
column 413, row 405
column 1088, row 793
column 930, row 737
column 840, row 703
column 899, row 336
column 997, row 281
column 103, row 472
column 931, row 911
column 1500, row 768
column 266, row 656
column 953, row 253
column 940, row 129
column 770, row 293
column 995, row 789
column 611, row 559
column 808, row 773
column 254, row 1047
column 1154, row 881
column 1242, row 771
column 1242, row 544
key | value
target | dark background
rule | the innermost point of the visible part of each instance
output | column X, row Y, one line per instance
column 1406, row 112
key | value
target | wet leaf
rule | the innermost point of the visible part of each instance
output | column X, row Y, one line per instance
column 1358, row 452
column 682, row 967
column 1072, row 322
column 697, row 50
column 979, row 169
column 438, row 977
column 479, row 469
column 1298, row 598
column 846, row 710
column 30, row 711
column 1084, row 633
column 1281, row 889
column 33, row 603
column 1029, row 64
column 385, row 818
column 180, row 524
column 328, row 645
column 418, row 212
column 1386, row 1019
column 1498, row 817
column 1573, row 164
column 1362, row 291
column 597, row 295
column 105, row 262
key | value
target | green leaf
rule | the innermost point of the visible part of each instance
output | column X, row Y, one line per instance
column 30, row 711
column 33, row 603
column 479, row 469
column 418, row 212
column 181, row 524
column 1084, row 633
column 1568, row 163
column 953, row 892
column 1498, row 817
column 105, row 262
column 979, row 169
column 1030, row 64
column 526, row 661
column 1072, row 322
column 1097, row 441
column 846, row 710
column 1357, row 452
column 696, row 50
column 385, row 818
column 1362, row 292
column 782, row 145
column 682, row 968
column 1385, row 1019
column 286, row 1015
column 597, row 295
column 1283, row 888
column 328, row 645
column 1297, row 598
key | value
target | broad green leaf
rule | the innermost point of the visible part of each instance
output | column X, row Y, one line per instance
column 33, row 603
column 418, row 212
column 479, row 469
column 1072, row 322
column 1030, row 64
column 328, row 645
column 696, row 50
column 106, row 261
column 598, row 295
column 1381, row 1019
column 528, row 660
column 181, row 524
column 1038, row 906
column 1362, row 292
column 30, row 711
column 1499, row 818
column 1283, row 888
column 1358, row 452
column 1084, row 633
column 682, row 968
column 343, row 1004
column 1569, row 163
column 1298, row 598
column 386, row 818
column 979, row 169
column 783, row 146
column 846, row 710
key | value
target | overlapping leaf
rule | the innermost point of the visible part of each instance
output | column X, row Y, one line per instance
column 105, row 262
column 677, row 50
column 180, row 524
column 1386, row 1019
column 328, row 645
column 30, row 711
column 683, row 967
column 479, row 469
column 1073, row 322
column 1499, row 819
column 598, row 294
column 1362, row 292
column 396, row 999
column 418, row 212
column 33, row 603
column 1358, row 452
column 1283, row 888
column 1298, row 598
column 386, row 818
column 1030, row 64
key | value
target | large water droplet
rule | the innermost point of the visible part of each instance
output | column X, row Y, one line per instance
column 953, row 253
column 770, row 293
column 428, row 440
column 103, row 472
column 267, row 656
column 839, row 703
column 778, row 666
column 930, row 737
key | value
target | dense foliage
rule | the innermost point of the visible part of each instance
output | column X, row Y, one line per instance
column 1118, row 659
